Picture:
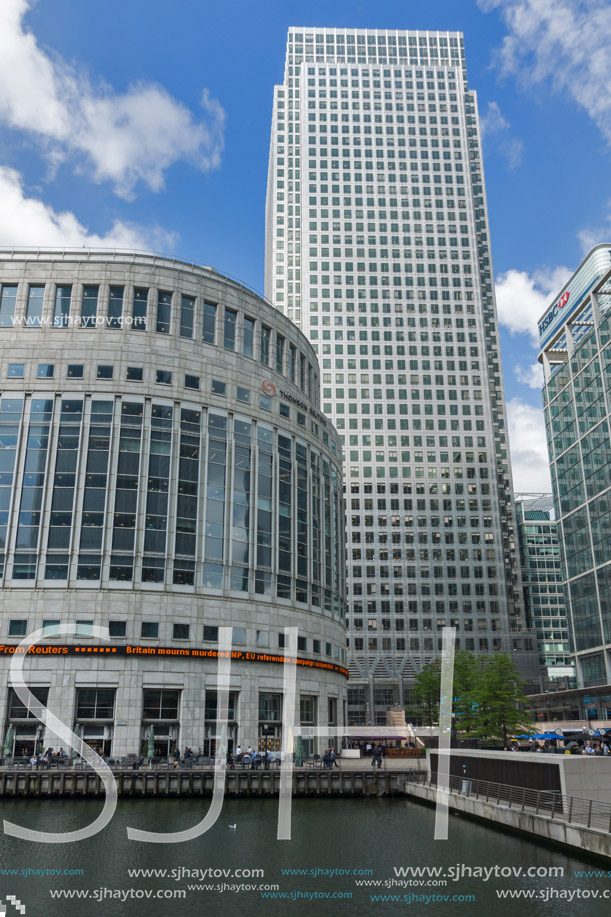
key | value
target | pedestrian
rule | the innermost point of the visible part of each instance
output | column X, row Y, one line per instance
column 377, row 757
column 326, row 758
column 368, row 749
column 333, row 757
column 255, row 758
column 238, row 751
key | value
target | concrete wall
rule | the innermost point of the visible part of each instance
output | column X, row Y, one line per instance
column 582, row 776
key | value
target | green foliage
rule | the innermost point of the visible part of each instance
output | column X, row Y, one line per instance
column 427, row 688
column 502, row 699
column 487, row 694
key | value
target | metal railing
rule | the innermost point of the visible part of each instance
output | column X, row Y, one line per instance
column 586, row 813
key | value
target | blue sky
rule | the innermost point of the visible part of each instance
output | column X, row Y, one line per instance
column 146, row 123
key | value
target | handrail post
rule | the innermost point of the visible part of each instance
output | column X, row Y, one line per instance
column 590, row 813
column 523, row 798
column 538, row 801
column 570, row 815
column 553, row 806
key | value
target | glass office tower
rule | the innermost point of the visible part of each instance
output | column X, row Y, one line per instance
column 575, row 337
column 543, row 589
column 377, row 247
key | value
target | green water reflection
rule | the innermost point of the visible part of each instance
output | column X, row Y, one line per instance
column 327, row 834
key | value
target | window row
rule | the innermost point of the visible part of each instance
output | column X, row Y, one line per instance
column 142, row 309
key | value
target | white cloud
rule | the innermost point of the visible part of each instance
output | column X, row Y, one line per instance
column 29, row 221
column 522, row 298
column 494, row 128
column 492, row 120
column 528, row 444
column 125, row 138
column 594, row 235
column 530, row 375
column 564, row 43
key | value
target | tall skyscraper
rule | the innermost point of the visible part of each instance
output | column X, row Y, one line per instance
column 377, row 246
column 575, row 337
column 543, row 589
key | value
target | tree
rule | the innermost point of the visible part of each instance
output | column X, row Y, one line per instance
column 427, row 688
column 501, row 698
column 468, row 672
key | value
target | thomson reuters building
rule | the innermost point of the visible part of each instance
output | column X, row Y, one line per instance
column 164, row 471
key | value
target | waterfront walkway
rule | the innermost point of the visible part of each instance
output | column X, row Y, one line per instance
column 565, row 820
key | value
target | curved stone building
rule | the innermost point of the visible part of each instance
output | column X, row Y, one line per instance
column 164, row 470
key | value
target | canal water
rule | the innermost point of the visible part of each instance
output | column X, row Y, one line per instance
column 371, row 839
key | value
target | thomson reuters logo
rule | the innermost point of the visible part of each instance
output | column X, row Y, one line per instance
column 563, row 299
column 13, row 905
column 268, row 387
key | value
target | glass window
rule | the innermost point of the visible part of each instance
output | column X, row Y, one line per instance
column 36, row 295
column 211, row 633
column 270, row 707
column 150, row 630
column 180, row 632
column 187, row 312
column 209, row 327
column 218, row 388
column 160, row 704
column 279, row 353
column 134, row 374
column 95, row 704
column 163, row 377
column 15, row 370
column 164, row 305
column 18, row 711
column 74, row 371
column 8, row 298
column 239, row 635
column 104, row 372
column 51, row 627
column 248, row 348
column 139, row 309
column 266, row 336
column 115, row 307
column 192, row 382
column 117, row 628
column 229, row 329
column 61, row 313
column 243, row 394
column 84, row 629
column 89, row 306
column 17, row 627
column 45, row 370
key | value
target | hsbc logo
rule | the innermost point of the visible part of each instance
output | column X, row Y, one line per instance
column 553, row 312
column 563, row 299
column 13, row 905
